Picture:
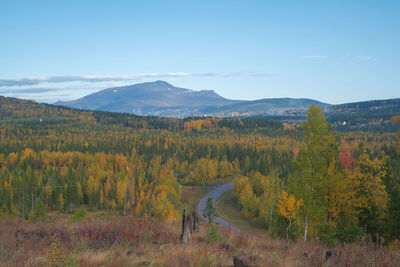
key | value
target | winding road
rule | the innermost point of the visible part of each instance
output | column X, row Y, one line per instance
column 215, row 193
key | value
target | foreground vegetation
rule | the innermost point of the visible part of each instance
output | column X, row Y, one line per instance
column 108, row 239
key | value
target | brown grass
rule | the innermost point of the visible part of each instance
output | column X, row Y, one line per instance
column 126, row 241
column 191, row 196
column 227, row 209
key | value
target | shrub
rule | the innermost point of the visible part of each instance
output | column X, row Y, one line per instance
column 208, row 260
column 147, row 237
column 71, row 262
column 31, row 216
column 213, row 234
column 348, row 230
column 4, row 210
column 57, row 254
column 40, row 213
column 78, row 215
column 326, row 233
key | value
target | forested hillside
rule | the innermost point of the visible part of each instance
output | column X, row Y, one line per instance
column 332, row 185
column 60, row 158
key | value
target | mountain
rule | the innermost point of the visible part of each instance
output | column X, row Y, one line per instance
column 151, row 98
column 265, row 107
column 163, row 99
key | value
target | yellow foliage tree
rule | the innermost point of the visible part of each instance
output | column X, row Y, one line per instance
column 288, row 207
column 121, row 192
column 61, row 201
column 372, row 192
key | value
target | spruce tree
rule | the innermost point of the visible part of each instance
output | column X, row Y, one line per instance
column 209, row 211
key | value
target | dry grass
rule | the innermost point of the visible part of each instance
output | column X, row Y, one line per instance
column 191, row 196
column 227, row 209
column 126, row 241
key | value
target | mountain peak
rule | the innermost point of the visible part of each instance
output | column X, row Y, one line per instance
column 161, row 82
column 158, row 83
column 149, row 98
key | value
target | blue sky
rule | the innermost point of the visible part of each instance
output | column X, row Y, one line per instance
column 332, row 51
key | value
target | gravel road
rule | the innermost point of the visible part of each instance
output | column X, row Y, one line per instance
column 215, row 193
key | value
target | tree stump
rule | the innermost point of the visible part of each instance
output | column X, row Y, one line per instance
column 186, row 234
column 237, row 262
column 196, row 226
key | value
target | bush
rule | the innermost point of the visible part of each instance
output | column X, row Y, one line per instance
column 4, row 210
column 326, row 233
column 40, row 213
column 71, row 262
column 348, row 230
column 78, row 215
column 57, row 254
column 207, row 261
column 213, row 234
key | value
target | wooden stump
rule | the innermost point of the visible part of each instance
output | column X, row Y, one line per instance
column 186, row 234
column 238, row 262
column 196, row 225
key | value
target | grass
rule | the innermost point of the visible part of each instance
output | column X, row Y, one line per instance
column 106, row 238
column 79, row 215
column 220, row 181
column 191, row 196
column 130, row 241
column 227, row 209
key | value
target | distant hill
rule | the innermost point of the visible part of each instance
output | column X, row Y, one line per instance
column 163, row 99
column 151, row 98
column 382, row 108
column 29, row 114
column 265, row 107
column 366, row 113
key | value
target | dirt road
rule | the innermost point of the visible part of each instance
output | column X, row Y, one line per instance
column 215, row 193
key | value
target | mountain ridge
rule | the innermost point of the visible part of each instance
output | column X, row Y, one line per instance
column 163, row 99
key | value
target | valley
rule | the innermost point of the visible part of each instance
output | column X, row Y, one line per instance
column 87, row 173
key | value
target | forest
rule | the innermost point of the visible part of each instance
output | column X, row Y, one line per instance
column 295, row 180
column 341, row 187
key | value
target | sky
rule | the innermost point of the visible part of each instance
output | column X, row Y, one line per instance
column 332, row 51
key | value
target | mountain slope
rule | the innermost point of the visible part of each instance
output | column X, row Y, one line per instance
column 373, row 112
column 268, row 106
column 162, row 99
column 148, row 99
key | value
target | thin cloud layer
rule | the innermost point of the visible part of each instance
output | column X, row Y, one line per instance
column 28, row 81
column 50, row 89
column 91, row 78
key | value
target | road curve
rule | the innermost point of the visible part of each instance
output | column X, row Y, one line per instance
column 215, row 193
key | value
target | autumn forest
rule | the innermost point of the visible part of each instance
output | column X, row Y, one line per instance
column 344, row 184
column 297, row 181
